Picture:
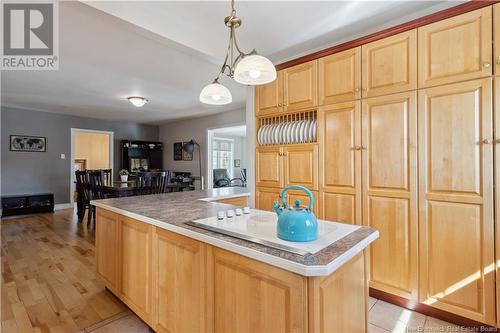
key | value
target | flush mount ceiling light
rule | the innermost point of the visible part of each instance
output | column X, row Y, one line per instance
column 245, row 68
column 137, row 101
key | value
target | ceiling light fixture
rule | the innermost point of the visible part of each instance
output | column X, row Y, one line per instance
column 245, row 68
column 137, row 101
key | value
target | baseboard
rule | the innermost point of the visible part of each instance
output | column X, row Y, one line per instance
column 63, row 206
column 429, row 310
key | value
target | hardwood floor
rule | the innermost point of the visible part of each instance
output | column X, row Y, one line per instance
column 49, row 284
column 48, row 276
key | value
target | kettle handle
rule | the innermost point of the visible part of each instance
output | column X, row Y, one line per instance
column 300, row 188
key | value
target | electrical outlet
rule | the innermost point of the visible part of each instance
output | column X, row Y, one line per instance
column 63, row 156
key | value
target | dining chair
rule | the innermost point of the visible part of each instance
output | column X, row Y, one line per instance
column 83, row 194
column 151, row 182
column 96, row 184
column 221, row 179
column 107, row 176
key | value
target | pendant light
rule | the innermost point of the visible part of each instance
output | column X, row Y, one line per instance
column 245, row 68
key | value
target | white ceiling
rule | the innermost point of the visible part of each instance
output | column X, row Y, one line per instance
column 167, row 51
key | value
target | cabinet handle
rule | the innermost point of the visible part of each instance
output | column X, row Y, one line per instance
column 486, row 65
column 498, row 61
column 279, row 104
column 486, row 141
column 356, row 148
column 356, row 90
column 497, row 140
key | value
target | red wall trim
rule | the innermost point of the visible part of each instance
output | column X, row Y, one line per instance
column 428, row 310
column 438, row 16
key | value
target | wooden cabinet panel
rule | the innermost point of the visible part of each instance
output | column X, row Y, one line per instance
column 301, row 165
column 347, row 284
column 496, row 37
column 293, row 195
column 268, row 167
column 181, row 283
column 390, row 65
column 456, row 199
column 455, row 49
column 240, row 201
column 497, row 184
column 269, row 97
column 389, row 190
column 300, row 86
column 250, row 296
column 266, row 197
column 340, row 77
column 107, row 243
column 340, row 158
column 137, row 277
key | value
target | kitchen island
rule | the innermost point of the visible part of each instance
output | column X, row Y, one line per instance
column 180, row 278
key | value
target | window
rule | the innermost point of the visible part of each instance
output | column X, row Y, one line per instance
column 222, row 154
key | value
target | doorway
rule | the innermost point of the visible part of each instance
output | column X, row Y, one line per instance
column 227, row 155
column 90, row 150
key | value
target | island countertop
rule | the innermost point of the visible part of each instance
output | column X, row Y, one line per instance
column 171, row 211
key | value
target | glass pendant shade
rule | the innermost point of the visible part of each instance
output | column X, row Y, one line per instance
column 254, row 69
column 215, row 94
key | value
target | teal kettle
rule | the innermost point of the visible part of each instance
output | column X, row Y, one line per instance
column 296, row 223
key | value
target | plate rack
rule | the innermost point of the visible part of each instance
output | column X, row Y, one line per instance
column 293, row 128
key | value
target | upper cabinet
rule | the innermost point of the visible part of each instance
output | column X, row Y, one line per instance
column 455, row 49
column 340, row 77
column 390, row 65
column 300, row 86
column 269, row 97
column 496, row 36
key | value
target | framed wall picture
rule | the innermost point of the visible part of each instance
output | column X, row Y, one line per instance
column 185, row 155
column 237, row 163
column 28, row 143
column 177, row 151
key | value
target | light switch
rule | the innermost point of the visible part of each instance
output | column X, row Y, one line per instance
column 63, row 156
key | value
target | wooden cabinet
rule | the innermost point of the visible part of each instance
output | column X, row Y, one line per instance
column 340, row 77
column 269, row 97
column 250, row 296
column 496, row 37
column 107, row 242
column 301, row 165
column 455, row 49
column 340, row 158
column 300, row 86
column 389, row 153
column 456, row 199
column 268, row 167
column 346, row 284
column 136, row 267
column 240, row 201
column 181, row 292
column 390, row 65
column 266, row 197
column 496, row 163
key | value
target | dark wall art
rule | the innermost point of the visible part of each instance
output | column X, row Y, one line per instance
column 28, row 143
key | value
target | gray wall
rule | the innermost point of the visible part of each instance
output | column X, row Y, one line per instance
column 196, row 129
column 26, row 172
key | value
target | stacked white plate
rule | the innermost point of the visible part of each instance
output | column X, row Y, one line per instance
column 300, row 131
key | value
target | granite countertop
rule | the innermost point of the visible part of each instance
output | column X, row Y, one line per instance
column 172, row 210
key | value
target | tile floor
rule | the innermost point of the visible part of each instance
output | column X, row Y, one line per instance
column 383, row 317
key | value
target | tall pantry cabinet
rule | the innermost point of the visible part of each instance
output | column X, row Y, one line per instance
column 408, row 142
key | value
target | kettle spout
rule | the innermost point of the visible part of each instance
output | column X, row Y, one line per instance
column 277, row 209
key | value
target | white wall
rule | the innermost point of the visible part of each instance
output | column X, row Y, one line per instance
column 195, row 128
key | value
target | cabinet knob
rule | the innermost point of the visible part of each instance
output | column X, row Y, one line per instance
column 498, row 61
column 356, row 90
column 486, row 64
column 363, row 89
column 356, row 148
column 486, row 141
column 497, row 140
column 279, row 104
column 363, row 147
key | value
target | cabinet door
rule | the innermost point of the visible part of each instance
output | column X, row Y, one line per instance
column 107, row 245
column 268, row 167
column 390, row 190
column 301, row 165
column 496, row 36
column 266, row 197
column 497, row 187
column 269, row 97
column 340, row 77
column 181, row 292
column 340, row 157
column 455, row 49
column 304, row 199
column 250, row 296
column 456, row 199
column 390, row 65
column 300, row 86
column 136, row 272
